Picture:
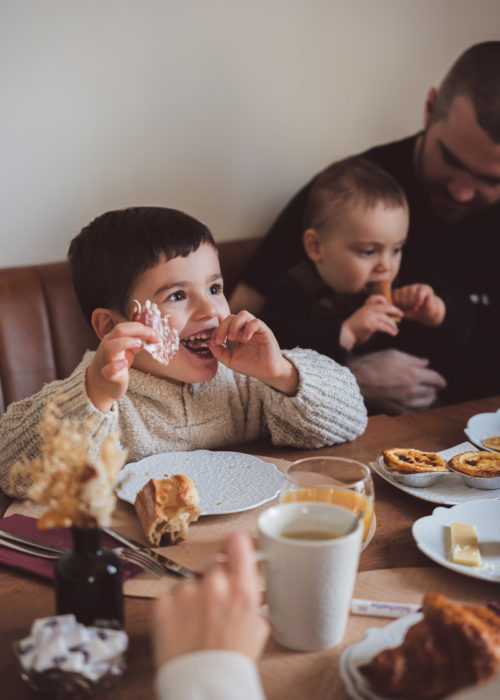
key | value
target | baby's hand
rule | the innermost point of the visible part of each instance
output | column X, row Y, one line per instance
column 256, row 352
column 373, row 316
column 420, row 303
column 108, row 373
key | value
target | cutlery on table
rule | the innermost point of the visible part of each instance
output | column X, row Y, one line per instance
column 44, row 550
column 166, row 564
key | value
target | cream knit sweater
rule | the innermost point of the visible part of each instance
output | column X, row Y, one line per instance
column 156, row 415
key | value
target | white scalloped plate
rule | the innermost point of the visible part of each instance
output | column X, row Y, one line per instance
column 227, row 482
column 431, row 535
column 449, row 490
column 482, row 426
column 375, row 639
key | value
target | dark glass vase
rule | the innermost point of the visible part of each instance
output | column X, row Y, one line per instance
column 88, row 581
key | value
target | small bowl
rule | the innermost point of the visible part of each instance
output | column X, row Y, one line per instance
column 486, row 483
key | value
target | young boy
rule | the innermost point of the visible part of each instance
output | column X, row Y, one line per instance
column 356, row 224
column 208, row 395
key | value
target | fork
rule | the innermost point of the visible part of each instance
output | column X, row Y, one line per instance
column 47, row 551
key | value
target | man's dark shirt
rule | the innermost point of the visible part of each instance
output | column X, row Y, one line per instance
column 465, row 255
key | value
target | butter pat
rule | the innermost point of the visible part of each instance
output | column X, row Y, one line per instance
column 464, row 546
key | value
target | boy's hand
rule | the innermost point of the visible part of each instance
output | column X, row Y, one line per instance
column 373, row 316
column 256, row 352
column 108, row 373
column 420, row 303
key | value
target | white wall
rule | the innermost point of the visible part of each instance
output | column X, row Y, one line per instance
column 219, row 107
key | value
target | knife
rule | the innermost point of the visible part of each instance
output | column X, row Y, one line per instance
column 168, row 565
column 22, row 539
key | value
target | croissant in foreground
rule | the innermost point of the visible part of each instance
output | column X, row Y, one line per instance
column 453, row 646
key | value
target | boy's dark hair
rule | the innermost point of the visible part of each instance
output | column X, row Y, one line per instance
column 110, row 253
column 475, row 75
column 348, row 182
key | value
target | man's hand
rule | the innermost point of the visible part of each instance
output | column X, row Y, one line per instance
column 220, row 611
column 108, row 373
column 255, row 352
column 394, row 382
column 421, row 304
column 373, row 316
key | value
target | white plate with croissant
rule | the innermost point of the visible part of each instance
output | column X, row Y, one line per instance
column 227, row 482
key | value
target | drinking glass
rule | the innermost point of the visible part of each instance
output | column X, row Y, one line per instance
column 343, row 482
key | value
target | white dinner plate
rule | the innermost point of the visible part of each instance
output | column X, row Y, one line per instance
column 433, row 539
column 449, row 490
column 227, row 482
column 482, row 426
column 375, row 639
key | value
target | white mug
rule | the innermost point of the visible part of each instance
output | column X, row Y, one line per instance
column 309, row 582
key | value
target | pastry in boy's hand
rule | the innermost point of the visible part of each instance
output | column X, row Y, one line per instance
column 384, row 287
column 410, row 461
column 480, row 463
column 166, row 507
column 150, row 315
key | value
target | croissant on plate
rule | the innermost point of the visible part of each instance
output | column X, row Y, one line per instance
column 451, row 647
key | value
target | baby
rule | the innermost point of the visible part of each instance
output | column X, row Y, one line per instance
column 356, row 224
column 228, row 380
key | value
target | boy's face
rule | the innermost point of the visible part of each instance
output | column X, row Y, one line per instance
column 190, row 289
column 364, row 246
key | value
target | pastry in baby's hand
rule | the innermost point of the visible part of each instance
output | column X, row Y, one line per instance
column 409, row 461
column 453, row 646
column 384, row 287
column 150, row 315
column 480, row 463
column 165, row 508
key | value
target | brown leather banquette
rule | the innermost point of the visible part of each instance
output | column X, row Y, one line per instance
column 43, row 333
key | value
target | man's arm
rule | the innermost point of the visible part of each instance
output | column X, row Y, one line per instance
column 394, row 382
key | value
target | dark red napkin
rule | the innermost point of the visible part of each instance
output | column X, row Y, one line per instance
column 23, row 525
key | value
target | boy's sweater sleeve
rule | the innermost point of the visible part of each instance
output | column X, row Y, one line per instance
column 19, row 425
column 328, row 407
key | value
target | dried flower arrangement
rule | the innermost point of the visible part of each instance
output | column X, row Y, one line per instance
column 75, row 483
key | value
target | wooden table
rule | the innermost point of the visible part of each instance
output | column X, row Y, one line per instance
column 391, row 568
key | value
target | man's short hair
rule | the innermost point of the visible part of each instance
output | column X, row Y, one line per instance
column 476, row 75
column 109, row 254
column 350, row 182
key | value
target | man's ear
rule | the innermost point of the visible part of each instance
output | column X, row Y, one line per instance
column 430, row 103
column 312, row 244
column 102, row 322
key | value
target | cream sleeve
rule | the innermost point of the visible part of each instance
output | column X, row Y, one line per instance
column 327, row 409
column 19, row 425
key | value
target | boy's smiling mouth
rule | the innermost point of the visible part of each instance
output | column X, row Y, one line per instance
column 198, row 343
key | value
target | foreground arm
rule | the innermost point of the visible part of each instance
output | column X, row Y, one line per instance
column 208, row 634
column 394, row 382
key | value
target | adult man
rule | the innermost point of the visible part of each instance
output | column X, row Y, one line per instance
column 450, row 173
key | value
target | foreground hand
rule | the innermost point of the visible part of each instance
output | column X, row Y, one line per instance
column 220, row 611
column 421, row 304
column 394, row 382
column 255, row 352
column 108, row 373
column 374, row 315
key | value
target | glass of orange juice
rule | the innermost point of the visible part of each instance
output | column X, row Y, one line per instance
column 337, row 480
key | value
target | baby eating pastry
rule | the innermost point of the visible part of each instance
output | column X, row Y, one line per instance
column 166, row 507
